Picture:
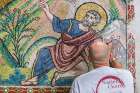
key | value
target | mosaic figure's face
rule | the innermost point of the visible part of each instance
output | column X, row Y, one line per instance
column 91, row 18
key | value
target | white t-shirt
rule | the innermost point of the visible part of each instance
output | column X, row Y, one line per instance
column 104, row 80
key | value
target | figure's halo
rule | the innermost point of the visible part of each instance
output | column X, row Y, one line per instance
column 85, row 7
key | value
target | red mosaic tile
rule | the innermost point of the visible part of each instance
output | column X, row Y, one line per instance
column 22, row 90
column 1, row 90
column 12, row 90
column 36, row 90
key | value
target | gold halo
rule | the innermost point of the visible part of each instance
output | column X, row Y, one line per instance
column 84, row 8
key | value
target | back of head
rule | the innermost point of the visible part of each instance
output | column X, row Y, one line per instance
column 99, row 54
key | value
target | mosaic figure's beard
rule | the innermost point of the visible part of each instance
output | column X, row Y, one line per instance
column 87, row 23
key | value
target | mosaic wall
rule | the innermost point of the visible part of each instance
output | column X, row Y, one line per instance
column 32, row 56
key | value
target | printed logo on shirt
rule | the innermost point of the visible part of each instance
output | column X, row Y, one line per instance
column 110, row 84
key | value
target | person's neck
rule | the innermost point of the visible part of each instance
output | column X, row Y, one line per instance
column 100, row 64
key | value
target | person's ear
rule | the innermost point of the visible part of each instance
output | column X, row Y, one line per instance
column 111, row 56
column 113, row 62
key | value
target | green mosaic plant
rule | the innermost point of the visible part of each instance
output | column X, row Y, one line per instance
column 113, row 11
column 17, row 29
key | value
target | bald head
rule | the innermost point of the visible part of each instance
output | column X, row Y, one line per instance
column 99, row 53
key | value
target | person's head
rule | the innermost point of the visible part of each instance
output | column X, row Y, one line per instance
column 91, row 18
column 99, row 54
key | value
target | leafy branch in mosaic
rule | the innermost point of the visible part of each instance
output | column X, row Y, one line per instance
column 126, row 1
column 113, row 11
column 16, row 27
